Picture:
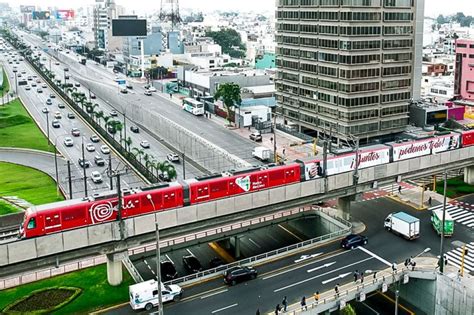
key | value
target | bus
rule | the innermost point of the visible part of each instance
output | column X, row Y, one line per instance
column 193, row 106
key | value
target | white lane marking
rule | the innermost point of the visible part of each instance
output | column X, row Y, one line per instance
column 321, row 275
column 305, row 257
column 335, row 278
column 302, row 266
column 321, row 267
column 169, row 259
column 224, row 308
column 370, row 308
column 190, row 253
column 374, row 255
column 254, row 243
column 214, row 293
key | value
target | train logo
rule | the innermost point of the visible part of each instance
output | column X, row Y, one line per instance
column 243, row 182
column 101, row 212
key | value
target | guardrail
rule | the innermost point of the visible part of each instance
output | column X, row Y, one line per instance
column 132, row 270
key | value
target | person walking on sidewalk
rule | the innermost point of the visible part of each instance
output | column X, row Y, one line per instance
column 316, row 297
column 336, row 289
column 430, row 201
column 356, row 275
column 362, row 277
column 303, row 303
column 277, row 309
column 400, row 189
column 284, row 303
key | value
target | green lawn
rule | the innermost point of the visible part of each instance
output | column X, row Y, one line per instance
column 456, row 187
column 6, row 208
column 97, row 293
column 6, row 85
column 29, row 184
column 17, row 129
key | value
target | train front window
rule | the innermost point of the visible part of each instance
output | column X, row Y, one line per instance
column 31, row 224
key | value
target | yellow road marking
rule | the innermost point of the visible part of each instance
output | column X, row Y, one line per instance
column 291, row 233
column 399, row 305
column 221, row 252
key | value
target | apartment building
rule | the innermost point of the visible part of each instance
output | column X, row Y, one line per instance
column 464, row 73
column 348, row 67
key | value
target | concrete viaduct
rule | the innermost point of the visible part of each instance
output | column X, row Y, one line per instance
column 106, row 238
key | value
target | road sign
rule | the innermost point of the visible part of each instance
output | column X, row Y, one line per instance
column 120, row 82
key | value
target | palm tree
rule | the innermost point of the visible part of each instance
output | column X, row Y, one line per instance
column 106, row 120
column 90, row 108
column 127, row 142
column 119, row 127
column 230, row 95
column 99, row 115
column 138, row 153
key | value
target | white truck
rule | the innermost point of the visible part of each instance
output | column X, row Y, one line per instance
column 403, row 224
column 262, row 153
column 144, row 295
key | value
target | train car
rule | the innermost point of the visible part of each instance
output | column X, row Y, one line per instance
column 467, row 138
column 71, row 214
column 242, row 182
column 403, row 150
column 337, row 164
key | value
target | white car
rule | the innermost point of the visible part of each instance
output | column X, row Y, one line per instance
column 68, row 142
column 152, row 89
column 57, row 115
column 145, row 144
column 173, row 157
column 90, row 147
column 105, row 149
column 96, row 177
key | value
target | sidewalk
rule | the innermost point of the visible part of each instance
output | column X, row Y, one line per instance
column 413, row 198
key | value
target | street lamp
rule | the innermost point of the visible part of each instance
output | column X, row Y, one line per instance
column 441, row 246
column 423, row 252
column 47, row 127
column 158, row 259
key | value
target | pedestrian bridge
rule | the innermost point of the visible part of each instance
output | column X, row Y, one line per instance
column 374, row 281
column 107, row 238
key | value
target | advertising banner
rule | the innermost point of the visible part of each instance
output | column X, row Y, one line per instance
column 27, row 8
column 64, row 14
column 41, row 15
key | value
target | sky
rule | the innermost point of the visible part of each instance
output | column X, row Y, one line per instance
column 432, row 7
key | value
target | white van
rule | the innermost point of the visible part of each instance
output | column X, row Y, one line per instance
column 145, row 294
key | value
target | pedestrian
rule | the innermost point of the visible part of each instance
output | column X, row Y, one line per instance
column 375, row 274
column 413, row 265
column 336, row 289
column 171, row 95
column 361, row 277
column 303, row 303
column 284, row 151
column 406, row 262
column 277, row 309
column 271, row 139
column 459, row 275
column 257, row 312
column 394, row 267
column 316, row 297
column 284, row 303
column 430, row 201
column 356, row 275
column 445, row 259
column 400, row 189
column 249, row 128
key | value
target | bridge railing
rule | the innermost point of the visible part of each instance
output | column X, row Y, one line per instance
column 268, row 255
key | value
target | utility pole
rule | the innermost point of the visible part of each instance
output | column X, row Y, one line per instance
column 84, row 169
column 397, row 293
column 125, row 129
column 184, row 167
column 69, row 177
column 117, row 175
column 441, row 249
column 110, row 172
column 56, row 168
column 158, row 269
column 274, row 139
column 47, row 128
column 356, row 170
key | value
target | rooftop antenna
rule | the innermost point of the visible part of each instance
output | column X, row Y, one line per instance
column 169, row 18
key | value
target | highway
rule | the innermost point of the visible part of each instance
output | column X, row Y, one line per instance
column 101, row 82
column 36, row 104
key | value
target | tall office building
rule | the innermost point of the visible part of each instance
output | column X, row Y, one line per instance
column 103, row 13
column 348, row 67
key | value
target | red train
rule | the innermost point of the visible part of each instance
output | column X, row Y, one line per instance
column 71, row 214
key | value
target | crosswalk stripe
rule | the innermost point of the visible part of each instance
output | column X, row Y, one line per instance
column 455, row 210
column 460, row 215
column 466, row 220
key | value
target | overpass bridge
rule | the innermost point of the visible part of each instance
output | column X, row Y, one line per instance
column 107, row 238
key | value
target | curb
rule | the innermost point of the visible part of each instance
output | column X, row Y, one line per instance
column 407, row 203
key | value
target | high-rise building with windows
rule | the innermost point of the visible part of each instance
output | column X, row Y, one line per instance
column 464, row 74
column 103, row 13
column 348, row 67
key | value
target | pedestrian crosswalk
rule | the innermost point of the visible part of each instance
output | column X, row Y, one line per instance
column 455, row 257
column 459, row 214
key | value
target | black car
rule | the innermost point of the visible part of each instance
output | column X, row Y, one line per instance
column 353, row 241
column 99, row 161
column 238, row 274
column 84, row 163
column 70, row 116
column 192, row 264
column 134, row 129
column 167, row 270
column 216, row 262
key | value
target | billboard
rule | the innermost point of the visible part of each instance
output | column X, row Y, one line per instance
column 64, row 14
column 41, row 15
column 27, row 8
column 128, row 27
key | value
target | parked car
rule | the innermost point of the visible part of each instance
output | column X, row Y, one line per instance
column 96, row 177
column 90, row 147
column 172, row 157
column 354, row 240
column 84, row 163
column 192, row 264
column 68, row 142
column 94, row 138
column 256, row 136
column 145, row 144
column 168, row 271
column 70, row 116
column 238, row 274
column 76, row 132
column 134, row 129
column 99, row 161
column 55, row 124
column 104, row 149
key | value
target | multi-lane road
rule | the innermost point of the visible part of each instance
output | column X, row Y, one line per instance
column 44, row 115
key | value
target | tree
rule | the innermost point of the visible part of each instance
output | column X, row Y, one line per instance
column 43, row 34
column 128, row 143
column 348, row 310
column 90, row 108
column 138, row 153
column 230, row 95
column 230, row 41
column 99, row 115
column 441, row 19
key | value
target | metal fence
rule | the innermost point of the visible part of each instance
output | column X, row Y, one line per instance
column 294, row 133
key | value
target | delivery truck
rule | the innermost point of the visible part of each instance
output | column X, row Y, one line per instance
column 262, row 153
column 144, row 295
column 403, row 224
column 437, row 222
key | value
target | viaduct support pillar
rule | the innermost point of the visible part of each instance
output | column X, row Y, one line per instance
column 344, row 206
column 237, row 246
column 469, row 175
column 114, row 268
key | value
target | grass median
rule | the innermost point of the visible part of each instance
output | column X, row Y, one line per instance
column 27, row 183
column 456, row 187
column 18, row 129
column 5, row 88
column 96, row 294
